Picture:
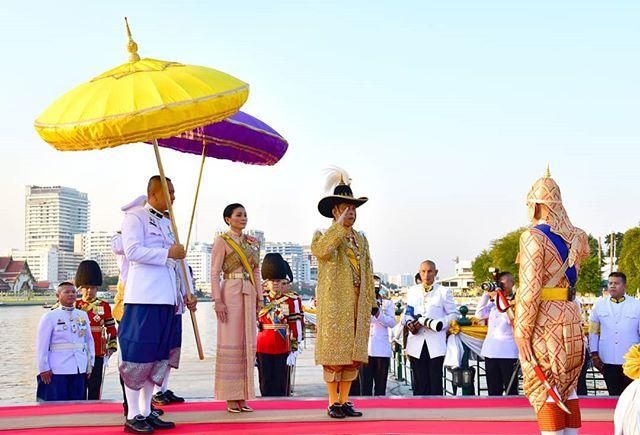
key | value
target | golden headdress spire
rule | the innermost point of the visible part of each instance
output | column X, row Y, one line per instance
column 548, row 173
column 132, row 47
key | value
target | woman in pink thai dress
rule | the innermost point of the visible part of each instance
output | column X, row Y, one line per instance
column 235, row 259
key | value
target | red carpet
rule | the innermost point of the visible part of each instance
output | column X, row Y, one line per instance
column 299, row 416
column 347, row 427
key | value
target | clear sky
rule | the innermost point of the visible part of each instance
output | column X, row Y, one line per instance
column 444, row 113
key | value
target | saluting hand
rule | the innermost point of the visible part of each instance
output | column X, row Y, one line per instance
column 343, row 216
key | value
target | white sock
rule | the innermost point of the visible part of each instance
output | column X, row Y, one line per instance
column 165, row 384
column 145, row 398
column 133, row 402
column 553, row 432
column 570, row 431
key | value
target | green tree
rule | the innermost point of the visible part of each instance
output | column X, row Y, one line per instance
column 619, row 243
column 505, row 251
column 480, row 267
column 629, row 259
column 589, row 278
column 502, row 254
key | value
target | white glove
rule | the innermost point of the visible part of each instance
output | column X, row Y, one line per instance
column 291, row 359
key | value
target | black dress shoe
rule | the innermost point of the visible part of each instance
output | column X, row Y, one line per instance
column 158, row 411
column 335, row 411
column 138, row 424
column 159, row 399
column 170, row 395
column 349, row 410
column 156, row 423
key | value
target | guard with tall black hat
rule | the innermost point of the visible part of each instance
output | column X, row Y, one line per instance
column 103, row 326
column 281, row 328
column 345, row 294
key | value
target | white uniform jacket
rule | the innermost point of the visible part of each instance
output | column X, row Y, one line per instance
column 437, row 304
column 499, row 342
column 379, row 344
column 146, row 239
column 64, row 343
column 614, row 328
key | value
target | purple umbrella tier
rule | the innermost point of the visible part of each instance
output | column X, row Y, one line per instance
column 239, row 138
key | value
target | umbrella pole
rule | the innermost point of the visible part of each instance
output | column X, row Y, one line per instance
column 165, row 189
column 195, row 199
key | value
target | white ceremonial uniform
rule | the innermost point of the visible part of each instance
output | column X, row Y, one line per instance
column 379, row 344
column 116, row 241
column 437, row 304
column 499, row 342
column 146, row 239
column 619, row 326
column 64, row 343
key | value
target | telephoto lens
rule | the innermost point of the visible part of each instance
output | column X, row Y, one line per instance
column 434, row 325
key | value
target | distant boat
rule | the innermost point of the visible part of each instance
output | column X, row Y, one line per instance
column 47, row 305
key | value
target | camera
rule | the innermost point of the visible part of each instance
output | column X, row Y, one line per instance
column 491, row 286
column 434, row 325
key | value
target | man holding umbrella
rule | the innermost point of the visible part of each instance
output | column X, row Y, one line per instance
column 345, row 294
column 152, row 293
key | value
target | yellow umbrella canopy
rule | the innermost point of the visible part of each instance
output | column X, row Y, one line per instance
column 140, row 100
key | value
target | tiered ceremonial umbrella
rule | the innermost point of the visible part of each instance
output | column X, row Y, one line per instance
column 142, row 100
column 239, row 138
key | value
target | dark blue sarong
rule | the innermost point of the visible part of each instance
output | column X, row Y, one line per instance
column 146, row 335
column 62, row 387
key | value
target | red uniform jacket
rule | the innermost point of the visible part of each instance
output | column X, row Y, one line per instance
column 281, row 324
column 100, row 317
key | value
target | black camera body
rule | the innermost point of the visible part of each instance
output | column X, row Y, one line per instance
column 491, row 286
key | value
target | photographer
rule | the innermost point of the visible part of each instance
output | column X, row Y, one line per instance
column 499, row 349
column 430, row 309
column 376, row 371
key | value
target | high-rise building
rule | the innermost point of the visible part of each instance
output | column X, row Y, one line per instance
column 403, row 279
column 313, row 263
column 199, row 258
column 67, row 265
column 294, row 255
column 96, row 245
column 53, row 215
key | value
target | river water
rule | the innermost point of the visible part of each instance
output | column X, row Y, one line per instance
column 194, row 379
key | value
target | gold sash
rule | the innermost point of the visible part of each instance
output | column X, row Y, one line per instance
column 243, row 257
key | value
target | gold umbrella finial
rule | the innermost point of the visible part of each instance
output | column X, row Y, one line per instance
column 547, row 174
column 132, row 47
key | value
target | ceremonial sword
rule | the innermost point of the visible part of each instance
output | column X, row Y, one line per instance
column 551, row 390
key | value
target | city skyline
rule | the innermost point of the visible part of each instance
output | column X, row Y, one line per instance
column 444, row 115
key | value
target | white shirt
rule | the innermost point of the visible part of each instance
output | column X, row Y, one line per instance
column 64, row 343
column 437, row 304
column 146, row 239
column 499, row 342
column 619, row 325
column 379, row 344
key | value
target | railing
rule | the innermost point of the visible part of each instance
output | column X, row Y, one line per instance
column 401, row 372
